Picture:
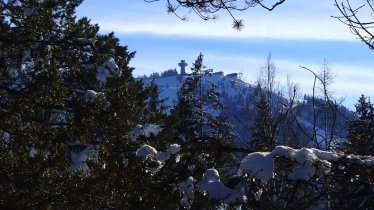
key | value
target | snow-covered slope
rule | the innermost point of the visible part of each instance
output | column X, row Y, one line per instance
column 240, row 98
column 229, row 85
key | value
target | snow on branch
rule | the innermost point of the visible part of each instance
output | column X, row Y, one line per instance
column 217, row 191
column 212, row 186
column 145, row 151
column 80, row 159
column 187, row 189
column 107, row 70
column 144, row 130
column 149, row 152
column 310, row 162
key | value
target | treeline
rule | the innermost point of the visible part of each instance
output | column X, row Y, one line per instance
column 167, row 73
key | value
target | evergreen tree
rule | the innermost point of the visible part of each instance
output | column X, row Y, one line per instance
column 199, row 105
column 263, row 129
column 361, row 131
column 155, row 108
column 202, row 129
column 67, row 104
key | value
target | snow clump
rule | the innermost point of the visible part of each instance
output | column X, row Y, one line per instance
column 144, row 130
column 216, row 190
column 33, row 151
column 258, row 164
column 111, row 65
column 80, row 159
column 107, row 70
column 188, row 191
column 311, row 162
column 174, row 148
column 147, row 151
column 90, row 96
column 362, row 160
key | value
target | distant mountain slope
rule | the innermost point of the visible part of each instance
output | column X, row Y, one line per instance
column 240, row 98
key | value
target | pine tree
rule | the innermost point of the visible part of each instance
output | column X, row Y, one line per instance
column 155, row 106
column 198, row 98
column 263, row 133
column 353, row 182
column 190, row 103
column 361, row 131
column 203, row 131
column 67, row 104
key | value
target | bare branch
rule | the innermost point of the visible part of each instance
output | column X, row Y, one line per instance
column 207, row 9
column 271, row 7
column 351, row 16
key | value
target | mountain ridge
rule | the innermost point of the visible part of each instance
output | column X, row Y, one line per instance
column 240, row 97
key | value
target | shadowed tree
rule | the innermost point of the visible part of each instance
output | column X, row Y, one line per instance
column 67, row 97
column 361, row 131
column 263, row 129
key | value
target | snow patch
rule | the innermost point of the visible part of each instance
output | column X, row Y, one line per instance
column 163, row 156
column 362, row 160
column 107, row 70
column 6, row 137
column 310, row 162
column 325, row 155
column 258, row 164
column 188, row 191
column 145, row 151
column 33, row 152
column 90, row 96
column 216, row 190
column 79, row 160
column 26, row 55
column 174, row 148
column 86, row 41
column 144, row 130
column 304, row 172
column 102, row 75
column 111, row 65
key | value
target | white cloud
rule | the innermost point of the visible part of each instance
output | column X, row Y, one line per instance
column 281, row 28
column 294, row 20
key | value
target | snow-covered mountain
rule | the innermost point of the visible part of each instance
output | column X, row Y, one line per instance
column 240, row 97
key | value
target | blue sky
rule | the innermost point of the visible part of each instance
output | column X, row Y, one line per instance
column 296, row 33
